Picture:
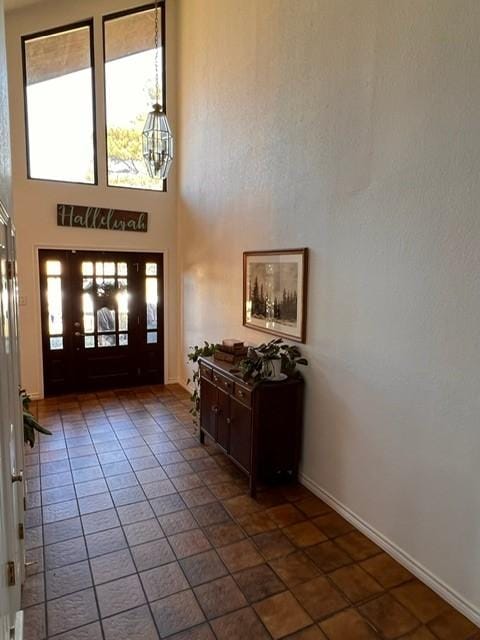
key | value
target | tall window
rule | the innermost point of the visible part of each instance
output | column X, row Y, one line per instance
column 130, row 92
column 59, row 99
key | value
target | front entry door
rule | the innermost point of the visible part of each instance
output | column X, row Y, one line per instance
column 102, row 320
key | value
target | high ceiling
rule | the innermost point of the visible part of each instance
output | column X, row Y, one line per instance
column 18, row 4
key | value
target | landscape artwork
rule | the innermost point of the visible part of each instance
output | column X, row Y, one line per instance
column 274, row 292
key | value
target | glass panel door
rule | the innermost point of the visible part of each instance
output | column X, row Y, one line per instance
column 54, row 301
column 105, row 304
column 102, row 319
column 151, row 296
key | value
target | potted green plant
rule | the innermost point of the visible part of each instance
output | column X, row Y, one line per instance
column 269, row 360
column 193, row 355
column 30, row 424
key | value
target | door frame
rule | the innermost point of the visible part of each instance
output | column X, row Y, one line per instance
column 11, row 455
column 69, row 247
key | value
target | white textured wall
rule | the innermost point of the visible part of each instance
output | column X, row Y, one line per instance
column 35, row 201
column 351, row 127
column 5, row 161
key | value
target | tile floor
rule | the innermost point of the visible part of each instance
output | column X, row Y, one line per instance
column 134, row 530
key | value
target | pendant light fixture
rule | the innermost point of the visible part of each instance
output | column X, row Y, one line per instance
column 157, row 139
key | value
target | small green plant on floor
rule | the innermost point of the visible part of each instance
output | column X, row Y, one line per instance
column 194, row 354
column 30, row 424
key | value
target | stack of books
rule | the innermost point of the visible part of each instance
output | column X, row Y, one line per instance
column 231, row 350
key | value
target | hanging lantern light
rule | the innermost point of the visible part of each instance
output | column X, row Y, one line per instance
column 157, row 139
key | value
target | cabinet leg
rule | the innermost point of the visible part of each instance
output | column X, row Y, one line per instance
column 252, row 486
column 202, row 437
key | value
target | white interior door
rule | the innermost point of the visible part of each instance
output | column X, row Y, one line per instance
column 11, row 440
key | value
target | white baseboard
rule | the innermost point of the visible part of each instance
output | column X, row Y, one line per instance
column 457, row 601
column 19, row 626
column 36, row 396
column 172, row 381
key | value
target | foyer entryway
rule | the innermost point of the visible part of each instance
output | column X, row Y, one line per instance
column 135, row 530
column 102, row 320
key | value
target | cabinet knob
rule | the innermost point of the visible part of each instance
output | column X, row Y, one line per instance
column 228, row 420
column 241, row 393
column 215, row 409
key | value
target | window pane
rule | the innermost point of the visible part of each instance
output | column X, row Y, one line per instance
column 54, row 298
column 123, row 312
column 152, row 337
column 105, row 319
column 151, row 268
column 130, row 62
column 105, row 287
column 123, row 339
column 87, row 268
column 122, row 268
column 152, row 301
column 107, row 341
column 56, row 344
column 123, row 322
column 88, row 316
column 122, row 303
column 89, row 342
column 54, row 268
column 109, row 268
column 59, row 104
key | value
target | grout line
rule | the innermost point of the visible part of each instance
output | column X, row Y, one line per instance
column 43, row 548
column 85, row 542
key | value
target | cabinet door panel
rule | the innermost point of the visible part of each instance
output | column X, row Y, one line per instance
column 208, row 407
column 223, row 420
column 240, row 433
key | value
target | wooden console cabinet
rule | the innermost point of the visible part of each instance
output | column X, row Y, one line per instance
column 258, row 426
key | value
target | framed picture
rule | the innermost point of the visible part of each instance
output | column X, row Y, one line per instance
column 275, row 292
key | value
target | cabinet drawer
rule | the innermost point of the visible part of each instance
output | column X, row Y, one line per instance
column 243, row 394
column 205, row 372
column 223, row 382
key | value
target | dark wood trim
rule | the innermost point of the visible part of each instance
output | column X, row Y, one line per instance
column 132, row 10
column 140, row 9
column 161, row 309
column 59, row 29
column 163, row 40
column 25, row 110
column 74, row 379
column 44, row 34
column 94, row 102
column 304, row 253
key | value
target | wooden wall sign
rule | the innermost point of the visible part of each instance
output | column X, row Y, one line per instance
column 71, row 215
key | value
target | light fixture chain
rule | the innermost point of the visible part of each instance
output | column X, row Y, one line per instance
column 156, row 51
column 157, row 139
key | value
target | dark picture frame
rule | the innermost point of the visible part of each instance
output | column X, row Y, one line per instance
column 275, row 292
